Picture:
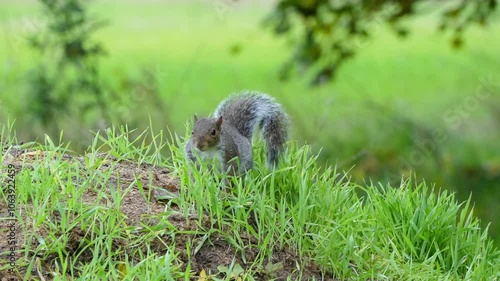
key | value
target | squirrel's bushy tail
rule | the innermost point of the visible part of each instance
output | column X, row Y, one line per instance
column 274, row 129
column 248, row 110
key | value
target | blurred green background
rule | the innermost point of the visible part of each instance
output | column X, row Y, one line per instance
column 398, row 107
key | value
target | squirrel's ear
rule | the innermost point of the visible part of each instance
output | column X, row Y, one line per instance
column 195, row 118
column 218, row 123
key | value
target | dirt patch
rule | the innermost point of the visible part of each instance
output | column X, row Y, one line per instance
column 141, row 206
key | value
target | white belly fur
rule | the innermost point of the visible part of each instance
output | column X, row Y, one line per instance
column 211, row 154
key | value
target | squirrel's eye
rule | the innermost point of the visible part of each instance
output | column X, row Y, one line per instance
column 213, row 133
column 192, row 132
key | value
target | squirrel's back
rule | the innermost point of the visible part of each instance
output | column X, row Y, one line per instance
column 248, row 110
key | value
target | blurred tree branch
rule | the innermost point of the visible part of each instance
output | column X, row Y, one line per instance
column 327, row 33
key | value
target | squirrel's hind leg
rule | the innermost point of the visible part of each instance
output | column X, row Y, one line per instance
column 246, row 155
column 243, row 162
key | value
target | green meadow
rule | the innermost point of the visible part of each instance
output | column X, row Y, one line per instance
column 401, row 109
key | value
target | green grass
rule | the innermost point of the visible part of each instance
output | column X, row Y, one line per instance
column 416, row 76
column 383, row 102
column 420, row 77
column 408, row 232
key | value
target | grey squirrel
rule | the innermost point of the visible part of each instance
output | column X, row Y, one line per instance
column 227, row 135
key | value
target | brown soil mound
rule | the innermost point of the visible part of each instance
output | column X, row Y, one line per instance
column 215, row 251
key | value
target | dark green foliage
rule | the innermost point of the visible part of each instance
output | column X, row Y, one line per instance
column 66, row 80
column 327, row 33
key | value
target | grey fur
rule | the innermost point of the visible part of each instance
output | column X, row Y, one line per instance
column 241, row 115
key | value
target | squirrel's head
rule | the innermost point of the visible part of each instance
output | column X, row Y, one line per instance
column 206, row 132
